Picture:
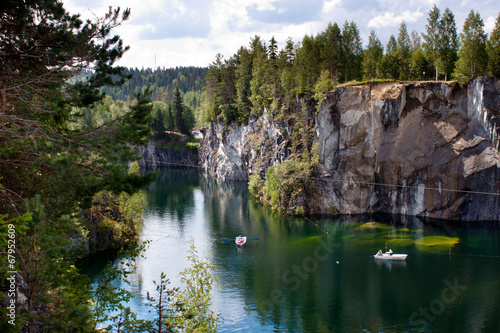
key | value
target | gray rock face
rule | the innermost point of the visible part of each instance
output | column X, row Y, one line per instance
column 426, row 149
column 239, row 151
column 153, row 157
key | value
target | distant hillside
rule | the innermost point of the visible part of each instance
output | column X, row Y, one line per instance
column 162, row 81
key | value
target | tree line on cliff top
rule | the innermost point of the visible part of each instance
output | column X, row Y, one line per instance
column 262, row 76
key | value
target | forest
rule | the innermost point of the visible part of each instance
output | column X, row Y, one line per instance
column 161, row 81
column 263, row 76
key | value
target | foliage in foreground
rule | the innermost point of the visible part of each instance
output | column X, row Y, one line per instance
column 52, row 169
column 175, row 309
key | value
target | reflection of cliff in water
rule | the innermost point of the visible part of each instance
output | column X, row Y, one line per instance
column 226, row 203
column 172, row 193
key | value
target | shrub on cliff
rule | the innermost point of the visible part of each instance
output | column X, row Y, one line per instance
column 282, row 180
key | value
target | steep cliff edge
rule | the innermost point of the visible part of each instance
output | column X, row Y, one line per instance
column 426, row 149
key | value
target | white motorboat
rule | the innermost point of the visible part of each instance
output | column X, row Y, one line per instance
column 390, row 256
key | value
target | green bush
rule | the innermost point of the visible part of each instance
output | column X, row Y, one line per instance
column 255, row 185
column 285, row 178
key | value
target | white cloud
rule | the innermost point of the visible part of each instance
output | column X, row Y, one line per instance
column 222, row 12
column 489, row 24
column 329, row 6
column 391, row 19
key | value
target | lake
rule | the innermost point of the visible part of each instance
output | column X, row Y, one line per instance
column 319, row 274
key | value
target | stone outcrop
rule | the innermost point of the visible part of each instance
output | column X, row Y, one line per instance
column 424, row 149
column 427, row 149
column 239, row 151
column 153, row 157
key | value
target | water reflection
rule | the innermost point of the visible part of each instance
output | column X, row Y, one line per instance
column 319, row 275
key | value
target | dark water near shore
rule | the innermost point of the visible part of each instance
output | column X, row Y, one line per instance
column 319, row 275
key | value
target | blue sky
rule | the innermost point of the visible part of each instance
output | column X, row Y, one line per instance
column 172, row 33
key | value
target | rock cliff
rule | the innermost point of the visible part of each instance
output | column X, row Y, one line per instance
column 427, row 149
column 153, row 157
column 239, row 151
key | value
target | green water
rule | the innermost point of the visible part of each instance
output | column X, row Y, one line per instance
column 319, row 275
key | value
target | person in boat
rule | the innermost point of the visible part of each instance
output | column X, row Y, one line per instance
column 390, row 252
column 240, row 239
column 379, row 253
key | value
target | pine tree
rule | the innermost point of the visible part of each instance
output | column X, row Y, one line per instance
column 289, row 51
column 169, row 118
column 472, row 57
column 178, row 112
column 286, row 72
column 158, row 123
column 243, row 76
column 403, row 50
column 273, row 59
column 391, row 60
column 493, row 48
column 272, row 49
column 262, row 84
column 433, row 36
column 352, row 51
column 449, row 43
column 372, row 57
column 332, row 51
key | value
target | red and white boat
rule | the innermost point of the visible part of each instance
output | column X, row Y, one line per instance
column 240, row 240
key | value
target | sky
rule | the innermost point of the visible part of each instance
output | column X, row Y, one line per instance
column 171, row 33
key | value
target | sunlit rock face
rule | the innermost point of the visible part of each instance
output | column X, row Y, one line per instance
column 238, row 151
column 426, row 149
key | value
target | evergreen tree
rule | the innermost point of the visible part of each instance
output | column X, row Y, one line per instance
column 332, row 51
column 415, row 41
column 159, row 120
column 178, row 108
column 352, row 51
column 211, row 91
column 261, row 84
column 449, row 43
column 169, row 118
column 286, row 71
column 433, row 36
column 391, row 61
column 243, row 76
column 472, row 57
column 306, row 65
column 273, row 49
column 273, row 59
column 493, row 48
column 403, row 51
column 372, row 57
column 289, row 51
